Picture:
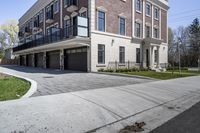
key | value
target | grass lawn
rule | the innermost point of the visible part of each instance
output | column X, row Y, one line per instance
column 12, row 88
column 161, row 75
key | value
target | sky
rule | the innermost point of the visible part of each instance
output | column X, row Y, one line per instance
column 181, row 12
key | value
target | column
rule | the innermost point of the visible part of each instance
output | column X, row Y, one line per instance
column 152, row 21
column 150, row 56
column 61, row 59
column 61, row 13
column 89, row 59
column 160, row 19
column 144, row 16
column 158, row 57
column 33, row 60
column 44, row 60
column 133, row 18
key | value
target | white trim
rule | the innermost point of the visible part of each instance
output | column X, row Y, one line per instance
column 133, row 18
column 101, row 8
column 110, row 34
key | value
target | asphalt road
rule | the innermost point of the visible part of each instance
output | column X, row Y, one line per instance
column 187, row 122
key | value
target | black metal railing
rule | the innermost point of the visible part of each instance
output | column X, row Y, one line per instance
column 127, row 64
column 58, row 35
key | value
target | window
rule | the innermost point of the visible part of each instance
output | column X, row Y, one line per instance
column 139, row 5
column 148, row 32
column 137, row 29
column 122, row 26
column 155, row 56
column 101, row 54
column 56, row 7
column 121, row 54
column 148, row 9
column 83, row 14
column 156, row 33
column 101, row 21
column 137, row 55
column 41, row 17
column 66, row 2
column 156, row 13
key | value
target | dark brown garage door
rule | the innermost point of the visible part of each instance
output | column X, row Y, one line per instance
column 22, row 60
column 76, row 59
column 53, row 59
column 29, row 60
column 39, row 60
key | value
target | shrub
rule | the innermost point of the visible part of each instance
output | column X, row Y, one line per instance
column 101, row 70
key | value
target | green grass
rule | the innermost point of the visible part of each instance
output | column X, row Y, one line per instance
column 160, row 75
column 12, row 88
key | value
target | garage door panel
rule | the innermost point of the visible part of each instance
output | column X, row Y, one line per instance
column 53, row 60
column 39, row 60
column 76, row 60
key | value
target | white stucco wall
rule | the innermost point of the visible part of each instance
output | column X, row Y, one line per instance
column 111, row 49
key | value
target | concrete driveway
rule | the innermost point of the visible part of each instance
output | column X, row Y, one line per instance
column 105, row 110
column 56, row 82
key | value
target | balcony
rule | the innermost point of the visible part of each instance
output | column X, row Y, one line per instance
column 36, row 25
column 27, row 31
column 72, row 5
column 49, row 17
column 57, row 35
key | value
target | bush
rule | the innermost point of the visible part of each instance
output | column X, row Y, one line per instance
column 176, row 68
column 101, row 70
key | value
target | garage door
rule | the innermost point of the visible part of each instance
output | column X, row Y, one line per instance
column 39, row 60
column 76, row 59
column 29, row 60
column 22, row 60
column 53, row 59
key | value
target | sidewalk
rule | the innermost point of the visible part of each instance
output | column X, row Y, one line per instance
column 104, row 110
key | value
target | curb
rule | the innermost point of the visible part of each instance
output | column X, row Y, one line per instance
column 33, row 83
column 125, row 75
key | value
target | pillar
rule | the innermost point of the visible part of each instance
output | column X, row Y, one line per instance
column 158, row 57
column 62, row 59
column 44, row 60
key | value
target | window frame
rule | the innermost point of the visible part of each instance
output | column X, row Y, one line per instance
column 138, row 6
column 156, row 33
column 122, row 54
column 156, row 15
column 122, row 32
column 136, row 29
column 148, row 10
column 104, row 20
column 101, row 53
column 146, row 31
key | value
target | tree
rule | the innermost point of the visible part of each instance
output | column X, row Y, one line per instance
column 194, row 34
column 9, row 34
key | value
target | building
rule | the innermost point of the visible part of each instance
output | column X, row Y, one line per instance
column 88, row 35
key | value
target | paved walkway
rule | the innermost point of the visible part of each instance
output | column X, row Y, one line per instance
column 105, row 110
column 56, row 82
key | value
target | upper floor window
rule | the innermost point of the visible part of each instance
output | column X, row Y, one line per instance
column 156, row 13
column 49, row 12
column 137, row 29
column 101, row 54
column 101, row 21
column 122, row 26
column 156, row 33
column 148, row 31
column 121, row 54
column 138, row 5
column 41, row 16
column 148, row 9
column 56, row 6
column 83, row 14
column 70, row 2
